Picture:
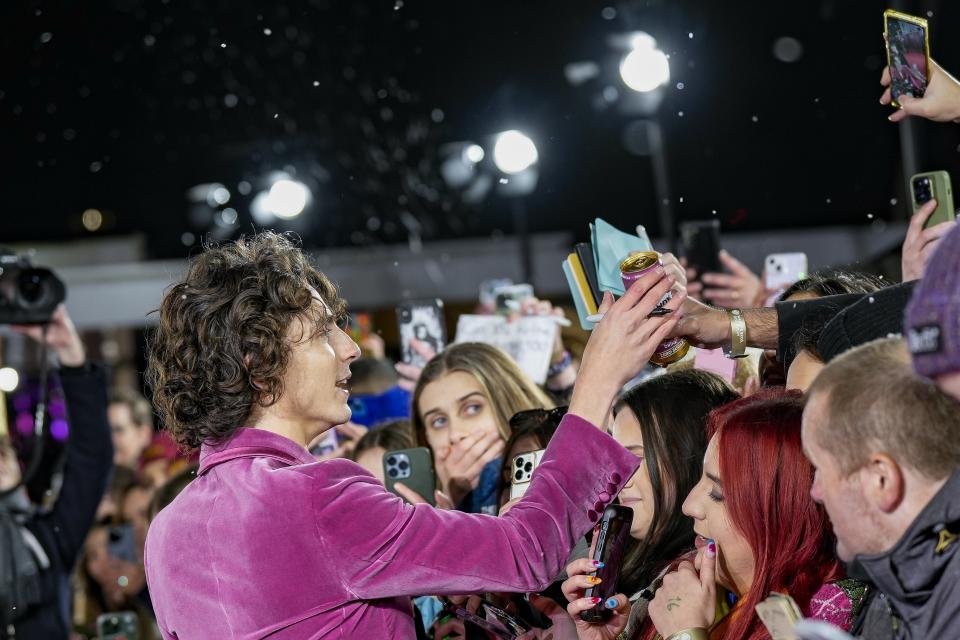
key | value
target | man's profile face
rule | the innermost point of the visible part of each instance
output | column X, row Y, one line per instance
column 841, row 494
column 314, row 383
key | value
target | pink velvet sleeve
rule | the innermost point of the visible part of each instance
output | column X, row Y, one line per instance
column 382, row 547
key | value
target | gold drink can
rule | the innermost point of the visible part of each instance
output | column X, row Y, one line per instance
column 631, row 270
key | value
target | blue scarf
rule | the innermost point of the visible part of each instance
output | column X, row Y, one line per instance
column 484, row 498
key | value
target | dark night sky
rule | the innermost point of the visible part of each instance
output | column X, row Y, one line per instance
column 123, row 105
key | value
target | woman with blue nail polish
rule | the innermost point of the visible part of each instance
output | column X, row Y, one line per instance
column 758, row 530
column 663, row 422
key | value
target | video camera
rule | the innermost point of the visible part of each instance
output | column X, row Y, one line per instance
column 28, row 294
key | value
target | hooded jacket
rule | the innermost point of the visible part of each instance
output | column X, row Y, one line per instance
column 919, row 577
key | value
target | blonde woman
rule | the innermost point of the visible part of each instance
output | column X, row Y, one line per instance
column 461, row 410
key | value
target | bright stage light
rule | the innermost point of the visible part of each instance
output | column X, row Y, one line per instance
column 645, row 68
column 474, row 153
column 287, row 198
column 514, row 152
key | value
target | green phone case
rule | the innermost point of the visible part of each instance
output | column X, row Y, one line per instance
column 418, row 473
column 941, row 190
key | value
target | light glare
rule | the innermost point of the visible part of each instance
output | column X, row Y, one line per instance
column 474, row 153
column 287, row 198
column 645, row 68
column 514, row 152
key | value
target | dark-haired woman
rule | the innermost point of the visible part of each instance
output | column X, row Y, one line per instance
column 664, row 422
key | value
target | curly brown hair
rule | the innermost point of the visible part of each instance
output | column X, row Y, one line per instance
column 221, row 348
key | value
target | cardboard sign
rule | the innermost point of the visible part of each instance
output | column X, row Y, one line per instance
column 528, row 340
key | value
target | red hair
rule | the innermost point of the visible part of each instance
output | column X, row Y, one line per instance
column 766, row 488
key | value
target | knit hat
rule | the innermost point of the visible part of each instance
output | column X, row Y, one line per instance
column 875, row 315
column 932, row 323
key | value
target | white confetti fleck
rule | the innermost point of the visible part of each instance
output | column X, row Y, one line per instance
column 268, row 31
column 46, row 37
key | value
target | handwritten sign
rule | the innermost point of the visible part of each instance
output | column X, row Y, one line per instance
column 529, row 341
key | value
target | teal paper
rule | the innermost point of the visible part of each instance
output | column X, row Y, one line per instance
column 611, row 247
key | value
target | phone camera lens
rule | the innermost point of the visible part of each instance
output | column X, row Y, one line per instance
column 528, row 467
column 392, row 473
column 404, row 465
column 391, row 461
column 518, row 475
column 518, row 462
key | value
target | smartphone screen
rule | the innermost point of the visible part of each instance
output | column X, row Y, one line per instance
column 611, row 542
column 907, row 55
column 422, row 321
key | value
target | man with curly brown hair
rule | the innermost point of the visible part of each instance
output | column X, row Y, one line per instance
column 250, row 364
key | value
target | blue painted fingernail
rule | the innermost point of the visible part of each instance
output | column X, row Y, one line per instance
column 611, row 603
column 598, row 564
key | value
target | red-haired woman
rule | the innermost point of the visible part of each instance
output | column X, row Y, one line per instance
column 758, row 530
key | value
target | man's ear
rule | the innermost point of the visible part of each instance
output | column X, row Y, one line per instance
column 883, row 482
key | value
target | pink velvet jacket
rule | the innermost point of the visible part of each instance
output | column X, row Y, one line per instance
column 267, row 542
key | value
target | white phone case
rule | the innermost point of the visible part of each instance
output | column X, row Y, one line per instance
column 522, row 472
column 783, row 269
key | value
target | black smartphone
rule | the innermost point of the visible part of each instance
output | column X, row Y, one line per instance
column 424, row 321
column 908, row 54
column 701, row 245
column 412, row 467
column 611, row 541
column 121, row 625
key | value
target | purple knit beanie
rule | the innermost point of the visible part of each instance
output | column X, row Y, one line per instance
column 932, row 321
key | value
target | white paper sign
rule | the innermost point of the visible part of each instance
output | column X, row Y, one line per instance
column 529, row 341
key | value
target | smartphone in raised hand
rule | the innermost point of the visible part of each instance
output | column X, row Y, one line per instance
column 701, row 245
column 783, row 269
column 612, row 533
column 934, row 185
column 424, row 321
column 522, row 470
column 908, row 54
column 413, row 468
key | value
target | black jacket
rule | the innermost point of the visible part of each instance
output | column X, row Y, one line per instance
column 62, row 530
column 919, row 578
column 854, row 319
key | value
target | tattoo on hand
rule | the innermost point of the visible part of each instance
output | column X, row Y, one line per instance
column 673, row 603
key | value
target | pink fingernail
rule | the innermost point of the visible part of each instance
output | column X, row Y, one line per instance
column 712, row 550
